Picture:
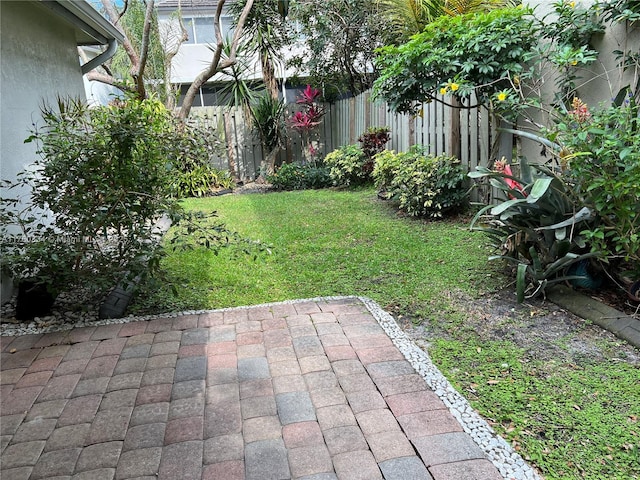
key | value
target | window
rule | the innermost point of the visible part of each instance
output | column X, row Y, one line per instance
column 202, row 29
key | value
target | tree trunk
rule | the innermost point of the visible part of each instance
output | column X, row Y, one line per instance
column 228, row 133
column 454, row 148
column 269, row 76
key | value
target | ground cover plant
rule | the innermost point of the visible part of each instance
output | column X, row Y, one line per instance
column 568, row 405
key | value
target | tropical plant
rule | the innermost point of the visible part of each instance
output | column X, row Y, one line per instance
column 462, row 55
column 306, row 121
column 349, row 166
column 422, row 184
column 536, row 227
column 270, row 124
column 373, row 140
column 266, row 32
column 601, row 156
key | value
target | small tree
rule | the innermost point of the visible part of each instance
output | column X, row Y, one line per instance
column 306, row 121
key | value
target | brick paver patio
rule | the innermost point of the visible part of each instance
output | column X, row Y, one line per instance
column 313, row 390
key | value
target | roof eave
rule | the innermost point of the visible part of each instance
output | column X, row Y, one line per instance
column 96, row 29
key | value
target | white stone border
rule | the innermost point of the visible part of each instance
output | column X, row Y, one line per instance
column 509, row 463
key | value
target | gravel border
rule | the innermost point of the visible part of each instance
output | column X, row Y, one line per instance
column 508, row 462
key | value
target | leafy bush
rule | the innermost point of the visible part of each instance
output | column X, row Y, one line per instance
column 201, row 180
column 423, row 185
column 194, row 148
column 386, row 164
column 103, row 180
column 601, row 153
column 294, row 176
column 536, row 225
column 349, row 166
column 373, row 140
column 475, row 53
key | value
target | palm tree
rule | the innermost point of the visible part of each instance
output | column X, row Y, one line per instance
column 266, row 29
column 408, row 17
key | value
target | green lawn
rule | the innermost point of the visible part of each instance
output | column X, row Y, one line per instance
column 572, row 421
column 327, row 243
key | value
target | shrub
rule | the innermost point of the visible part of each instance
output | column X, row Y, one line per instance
column 294, row 176
column 373, row 140
column 536, row 225
column 349, row 166
column 194, row 148
column 423, row 185
column 386, row 164
column 601, row 152
column 103, row 180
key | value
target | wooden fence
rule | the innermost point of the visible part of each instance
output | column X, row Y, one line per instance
column 347, row 119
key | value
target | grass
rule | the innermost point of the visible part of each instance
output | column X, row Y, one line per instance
column 572, row 420
column 326, row 243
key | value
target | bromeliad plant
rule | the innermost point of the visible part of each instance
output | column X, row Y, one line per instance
column 536, row 227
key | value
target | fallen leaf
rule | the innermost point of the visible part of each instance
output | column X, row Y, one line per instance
column 493, row 382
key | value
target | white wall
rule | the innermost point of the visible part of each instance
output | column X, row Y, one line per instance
column 599, row 82
column 39, row 60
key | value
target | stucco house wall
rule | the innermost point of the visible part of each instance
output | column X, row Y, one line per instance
column 39, row 63
column 599, row 82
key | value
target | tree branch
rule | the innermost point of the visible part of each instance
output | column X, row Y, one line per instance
column 144, row 51
column 96, row 76
column 113, row 15
column 215, row 65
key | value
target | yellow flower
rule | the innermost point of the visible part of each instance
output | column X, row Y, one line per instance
column 502, row 96
column 454, row 86
column 443, row 91
column 572, row 4
column 574, row 63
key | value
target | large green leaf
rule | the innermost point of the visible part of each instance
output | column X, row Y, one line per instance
column 498, row 209
column 540, row 187
column 521, row 283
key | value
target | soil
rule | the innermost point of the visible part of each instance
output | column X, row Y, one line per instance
column 544, row 330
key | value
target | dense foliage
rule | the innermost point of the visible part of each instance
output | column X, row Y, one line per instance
column 295, row 176
column 349, row 166
column 465, row 54
column 373, row 140
column 104, row 178
column 535, row 226
column 195, row 147
column 422, row 184
column 338, row 46
column 601, row 153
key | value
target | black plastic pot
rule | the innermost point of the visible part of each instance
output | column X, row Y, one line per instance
column 634, row 291
column 33, row 300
